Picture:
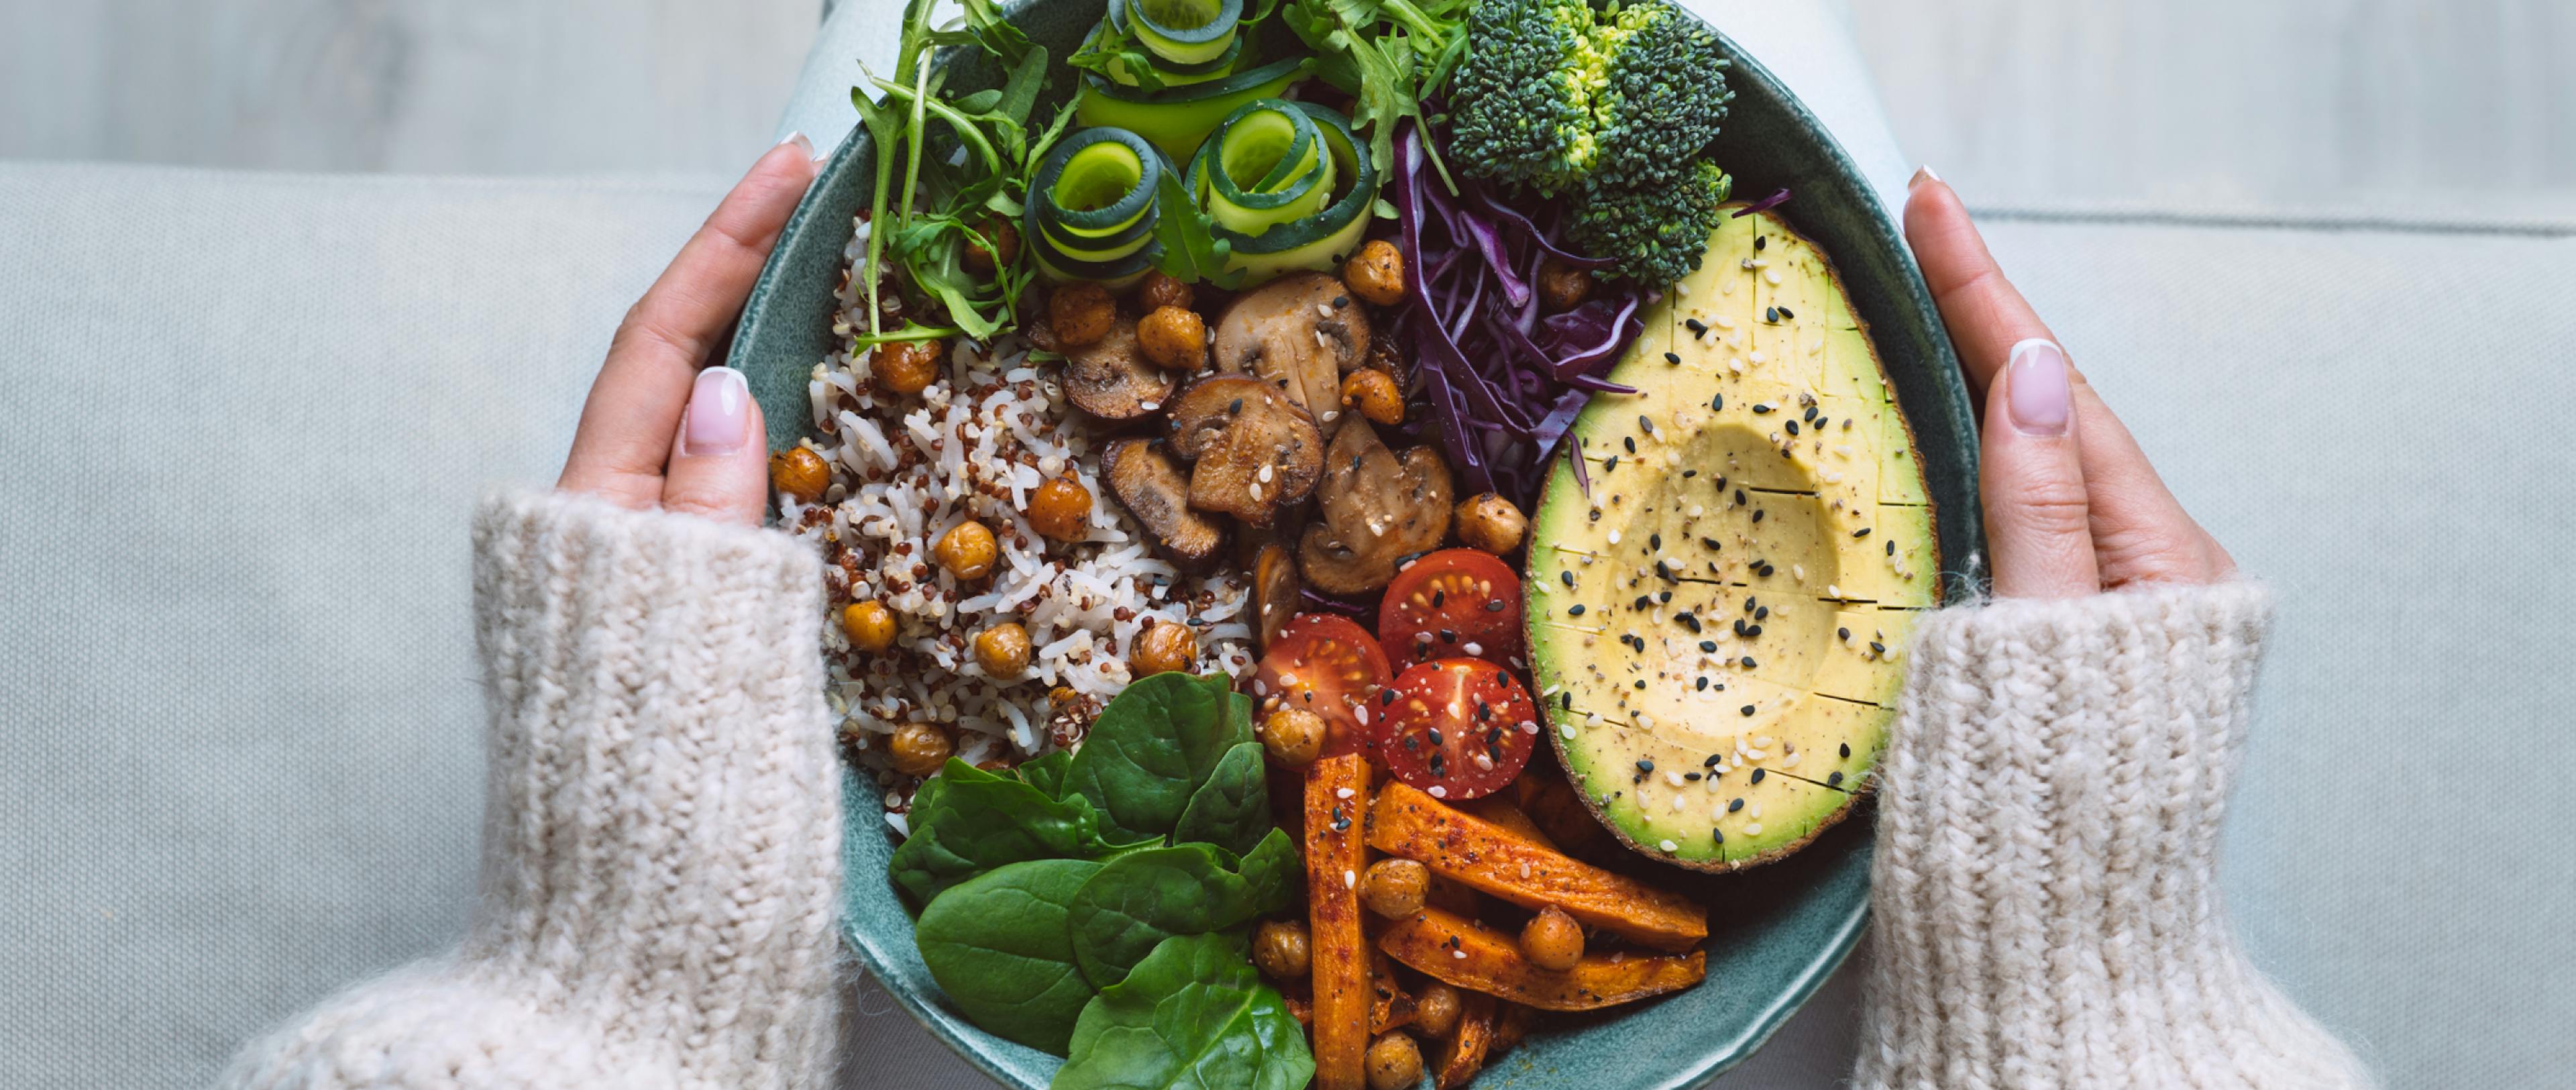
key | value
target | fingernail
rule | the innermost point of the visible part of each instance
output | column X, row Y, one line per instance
column 802, row 144
column 2036, row 380
column 719, row 420
column 1922, row 174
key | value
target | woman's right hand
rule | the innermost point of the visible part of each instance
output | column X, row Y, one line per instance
column 2072, row 508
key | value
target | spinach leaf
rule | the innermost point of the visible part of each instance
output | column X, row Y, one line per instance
column 966, row 821
column 1141, row 898
column 1232, row 809
column 1153, row 746
column 998, row 945
column 1193, row 1014
column 1046, row 773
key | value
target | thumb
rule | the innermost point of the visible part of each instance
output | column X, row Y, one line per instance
column 2031, row 472
column 719, row 461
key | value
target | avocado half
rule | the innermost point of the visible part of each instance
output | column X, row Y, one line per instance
column 1717, row 623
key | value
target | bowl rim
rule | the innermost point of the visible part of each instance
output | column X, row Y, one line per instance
column 859, row 797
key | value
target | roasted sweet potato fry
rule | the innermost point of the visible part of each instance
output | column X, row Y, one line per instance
column 1337, row 795
column 1463, row 1054
column 1390, row 1006
column 1511, row 1024
column 1498, row 810
column 1414, row 825
column 1553, row 806
column 1472, row 956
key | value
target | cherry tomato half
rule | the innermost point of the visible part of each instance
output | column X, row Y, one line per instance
column 1452, row 602
column 1457, row 728
column 1327, row 665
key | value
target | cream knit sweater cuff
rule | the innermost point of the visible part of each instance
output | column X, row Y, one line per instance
column 2045, row 910
column 662, row 825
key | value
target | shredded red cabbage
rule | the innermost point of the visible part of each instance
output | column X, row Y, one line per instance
column 1504, row 381
column 1765, row 204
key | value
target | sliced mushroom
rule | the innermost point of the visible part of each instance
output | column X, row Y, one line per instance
column 1298, row 333
column 1274, row 592
column 1145, row 478
column 1377, row 508
column 1255, row 452
column 1111, row 378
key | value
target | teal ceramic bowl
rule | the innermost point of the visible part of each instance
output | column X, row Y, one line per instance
column 1776, row 932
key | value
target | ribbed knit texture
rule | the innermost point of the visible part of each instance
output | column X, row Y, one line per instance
column 2045, row 909
column 662, row 827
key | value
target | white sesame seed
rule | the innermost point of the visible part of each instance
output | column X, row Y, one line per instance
column 1529, row 726
column 1753, row 828
column 1350, row 879
column 1525, row 868
column 1472, row 648
column 1771, row 277
column 1150, row 406
column 1458, row 954
column 1670, row 846
column 1342, row 792
column 1265, row 474
column 1565, row 730
column 1672, row 777
column 1753, row 809
column 1286, row 678
column 1791, row 761
column 1614, row 537
column 1756, row 356
column 1439, row 792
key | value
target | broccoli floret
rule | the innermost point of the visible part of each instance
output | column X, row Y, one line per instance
column 1663, row 100
column 1656, row 231
column 1612, row 107
column 1523, row 94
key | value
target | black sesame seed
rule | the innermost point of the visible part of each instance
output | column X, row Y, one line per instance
column 1575, row 610
column 1689, row 473
column 1877, row 648
column 1762, row 613
column 1663, row 596
column 1759, row 409
column 1612, row 464
column 1846, row 749
column 1672, row 357
column 1753, row 632
column 1644, row 765
column 1844, row 634
column 1655, row 542
column 1439, row 598
column 1234, row 406
column 1747, row 661
column 1810, row 414
column 1641, row 682
column 1756, row 777
column 1758, row 240
column 1862, row 532
column 1386, row 698
column 1340, row 301
column 1690, row 777
column 1891, row 546
column 1708, row 646
column 1784, row 312
column 1565, row 700
column 1793, row 427
column 1567, row 575
column 1739, row 626
column 1688, row 621
column 1717, row 404
column 1494, row 605
column 1771, row 315
column 1717, row 836
column 1757, row 514
column 1734, row 806
column 1703, row 684
column 1748, row 605
column 1748, row 710
column 1712, row 760
column 1739, row 497
column 1834, row 780
column 1448, row 635
column 1435, row 737
column 1708, row 543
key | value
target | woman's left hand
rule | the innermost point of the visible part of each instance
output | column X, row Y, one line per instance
column 2072, row 507
column 662, row 429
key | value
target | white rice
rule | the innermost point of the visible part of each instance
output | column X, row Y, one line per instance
column 974, row 445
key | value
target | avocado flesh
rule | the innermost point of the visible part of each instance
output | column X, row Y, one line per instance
column 1836, row 568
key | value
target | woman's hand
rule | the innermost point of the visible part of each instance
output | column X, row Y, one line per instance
column 661, row 429
column 2072, row 507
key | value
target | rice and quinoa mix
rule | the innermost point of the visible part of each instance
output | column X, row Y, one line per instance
column 975, row 444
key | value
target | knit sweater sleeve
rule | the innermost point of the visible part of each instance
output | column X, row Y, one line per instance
column 662, row 832
column 2045, row 910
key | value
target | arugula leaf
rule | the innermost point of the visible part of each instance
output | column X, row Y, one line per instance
column 967, row 821
column 999, row 946
column 1193, row 1014
column 1152, row 747
column 1232, row 809
column 1389, row 55
column 1141, row 898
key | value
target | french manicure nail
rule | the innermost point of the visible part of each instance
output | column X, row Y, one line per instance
column 719, row 417
column 2035, row 378
column 1922, row 174
column 802, row 144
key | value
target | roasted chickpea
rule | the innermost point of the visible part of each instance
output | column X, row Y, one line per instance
column 1394, row 1062
column 1490, row 522
column 870, row 626
column 1552, row 940
column 1165, row 646
column 1294, row 736
column 1562, row 286
column 1174, row 338
column 907, row 367
column 967, row 550
column 920, row 748
column 1279, row 948
column 1157, row 291
column 1003, row 650
column 1061, row 509
column 1376, row 273
column 798, row 471
column 1436, row 1008
column 1373, row 393
column 1395, row 888
column 1080, row 314
column 1006, row 239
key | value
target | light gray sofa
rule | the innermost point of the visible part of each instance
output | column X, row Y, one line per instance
column 246, row 415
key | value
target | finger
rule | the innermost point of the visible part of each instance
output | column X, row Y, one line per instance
column 2141, row 534
column 720, row 459
column 627, row 425
column 1986, row 315
column 2031, row 473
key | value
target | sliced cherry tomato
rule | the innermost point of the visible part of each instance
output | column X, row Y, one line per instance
column 1457, row 728
column 1452, row 602
column 1327, row 665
